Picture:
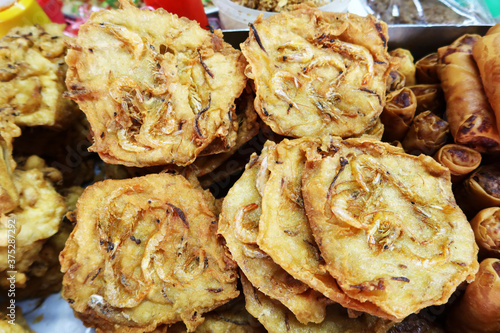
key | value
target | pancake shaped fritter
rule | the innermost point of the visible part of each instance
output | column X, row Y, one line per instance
column 387, row 225
column 145, row 253
column 276, row 318
column 32, row 74
column 284, row 232
column 318, row 73
column 239, row 224
column 157, row 89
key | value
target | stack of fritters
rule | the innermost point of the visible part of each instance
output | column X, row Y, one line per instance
column 357, row 220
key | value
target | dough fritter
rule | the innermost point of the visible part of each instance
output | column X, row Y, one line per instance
column 318, row 73
column 145, row 253
column 276, row 318
column 32, row 74
column 157, row 89
column 239, row 224
column 387, row 225
column 284, row 231
column 36, row 217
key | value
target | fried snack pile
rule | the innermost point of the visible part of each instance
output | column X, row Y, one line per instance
column 32, row 74
column 330, row 214
column 145, row 253
column 157, row 89
column 318, row 73
column 36, row 217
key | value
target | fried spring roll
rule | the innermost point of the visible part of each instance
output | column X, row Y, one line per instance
column 486, row 53
column 479, row 309
column 398, row 114
column 472, row 121
column 395, row 81
column 486, row 226
column 426, row 69
column 429, row 97
column 426, row 135
column 406, row 64
column 461, row 160
column 480, row 190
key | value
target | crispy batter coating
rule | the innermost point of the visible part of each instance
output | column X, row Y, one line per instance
column 387, row 225
column 157, row 89
column 32, row 74
column 145, row 253
column 36, row 218
column 318, row 73
column 228, row 318
column 284, row 232
column 276, row 318
column 239, row 224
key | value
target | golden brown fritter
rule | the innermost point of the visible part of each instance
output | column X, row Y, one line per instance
column 239, row 224
column 8, row 192
column 387, row 225
column 318, row 73
column 145, row 253
column 32, row 74
column 284, row 232
column 36, row 218
column 276, row 318
column 157, row 89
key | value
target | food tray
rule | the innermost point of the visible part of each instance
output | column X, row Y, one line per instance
column 53, row 314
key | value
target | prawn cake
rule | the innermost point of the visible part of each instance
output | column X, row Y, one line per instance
column 157, row 89
column 387, row 225
column 145, row 253
column 318, row 73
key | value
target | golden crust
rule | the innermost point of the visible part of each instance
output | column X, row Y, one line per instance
column 157, row 89
column 36, row 218
column 239, row 223
column 318, row 73
column 387, row 225
column 284, row 232
column 32, row 74
column 144, row 253
column 276, row 318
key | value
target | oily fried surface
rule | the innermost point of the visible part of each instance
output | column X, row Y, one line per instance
column 228, row 318
column 276, row 318
column 387, row 225
column 32, row 74
column 145, row 253
column 156, row 89
column 318, row 73
column 36, row 218
column 284, row 231
column 239, row 224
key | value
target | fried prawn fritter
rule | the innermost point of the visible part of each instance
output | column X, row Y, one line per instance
column 276, row 318
column 318, row 73
column 32, row 74
column 284, row 232
column 37, row 217
column 157, row 89
column 387, row 225
column 145, row 253
column 239, row 224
